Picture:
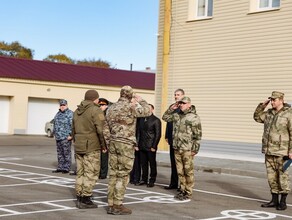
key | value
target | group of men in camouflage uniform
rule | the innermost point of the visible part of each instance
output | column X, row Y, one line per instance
column 92, row 131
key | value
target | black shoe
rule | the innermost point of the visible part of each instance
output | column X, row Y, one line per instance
column 57, row 171
column 142, row 183
column 150, row 185
column 102, row 177
column 65, row 171
column 170, row 187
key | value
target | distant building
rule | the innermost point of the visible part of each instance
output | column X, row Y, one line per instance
column 228, row 56
column 30, row 90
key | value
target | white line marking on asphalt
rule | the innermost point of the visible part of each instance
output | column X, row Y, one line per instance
column 19, row 184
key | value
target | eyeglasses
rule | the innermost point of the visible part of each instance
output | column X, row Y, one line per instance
column 62, row 105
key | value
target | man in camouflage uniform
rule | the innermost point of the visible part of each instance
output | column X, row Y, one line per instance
column 187, row 133
column 121, row 120
column 62, row 132
column 276, row 143
column 88, row 123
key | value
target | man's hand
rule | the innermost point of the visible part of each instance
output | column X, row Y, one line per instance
column 290, row 155
column 174, row 106
column 193, row 153
column 104, row 150
column 266, row 102
column 152, row 149
column 69, row 138
column 136, row 148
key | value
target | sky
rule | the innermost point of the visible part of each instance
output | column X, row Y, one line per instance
column 121, row 32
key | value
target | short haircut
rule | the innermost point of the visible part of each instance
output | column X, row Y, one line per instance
column 180, row 90
column 152, row 106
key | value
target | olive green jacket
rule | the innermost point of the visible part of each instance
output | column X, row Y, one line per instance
column 87, row 128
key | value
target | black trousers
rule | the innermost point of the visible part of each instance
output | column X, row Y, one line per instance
column 148, row 158
column 174, row 176
column 135, row 174
column 103, row 165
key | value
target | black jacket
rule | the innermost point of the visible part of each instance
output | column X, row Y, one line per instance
column 148, row 132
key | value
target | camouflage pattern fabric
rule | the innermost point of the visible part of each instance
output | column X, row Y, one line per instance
column 64, row 154
column 185, row 169
column 121, row 120
column 121, row 159
column 63, row 124
column 120, row 134
column 277, row 130
column 278, row 181
column 88, row 167
column 187, row 130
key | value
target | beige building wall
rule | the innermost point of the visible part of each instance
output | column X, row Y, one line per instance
column 228, row 64
column 20, row 91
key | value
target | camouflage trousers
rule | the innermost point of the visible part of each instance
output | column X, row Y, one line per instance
column 64, row 154
column 185, row 170
column 121, row 159
column 88, row 166
column 278, row 180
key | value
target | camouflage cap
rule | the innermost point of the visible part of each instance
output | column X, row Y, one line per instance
column 63, row 102
column 185, row 100
column 127, row 92
column 276, row 94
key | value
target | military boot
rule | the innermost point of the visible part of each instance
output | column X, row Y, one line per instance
column 78, row 199
column 86, row 203
column 282, row 205
column 121, row 210
column 273, row 203
column 110, row 209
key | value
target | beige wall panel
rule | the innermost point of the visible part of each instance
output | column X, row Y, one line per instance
column 230, row 63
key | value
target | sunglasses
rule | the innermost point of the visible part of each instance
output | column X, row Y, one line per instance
column 62, row 105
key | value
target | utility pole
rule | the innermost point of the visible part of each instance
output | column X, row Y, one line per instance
column 165, row 61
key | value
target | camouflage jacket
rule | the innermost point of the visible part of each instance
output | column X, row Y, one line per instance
column 121, row 118
column 63, row 124
column 277, row 134
column 187, row 129
column 87, row 131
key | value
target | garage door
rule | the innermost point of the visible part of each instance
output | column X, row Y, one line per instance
column 40, row 111
column 4, row 114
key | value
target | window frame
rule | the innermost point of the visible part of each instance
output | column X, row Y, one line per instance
column 194, row 10
column 255, row 6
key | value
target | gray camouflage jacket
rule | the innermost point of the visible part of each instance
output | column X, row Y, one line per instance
column 277, row 134
column 187, row 129
column 121, row 120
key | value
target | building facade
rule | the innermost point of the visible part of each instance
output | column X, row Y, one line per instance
column 30, row 90
column 228, row 56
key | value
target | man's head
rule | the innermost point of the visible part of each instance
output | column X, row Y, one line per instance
column 103, row 103
column 185, row 103
column 63, row 105
column 151, row 108
column 277, row 100
column 91, row 95
column 127, row 92
column 179, row 94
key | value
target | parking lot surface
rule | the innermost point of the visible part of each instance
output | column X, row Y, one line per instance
column 29, row 189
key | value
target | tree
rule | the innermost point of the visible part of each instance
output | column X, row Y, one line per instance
column 59, row 58
column 95, row 63
column 15, row 49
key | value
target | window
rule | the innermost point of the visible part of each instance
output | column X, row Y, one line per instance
column 264, row 5
column 200, row 9
column 269, row 4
